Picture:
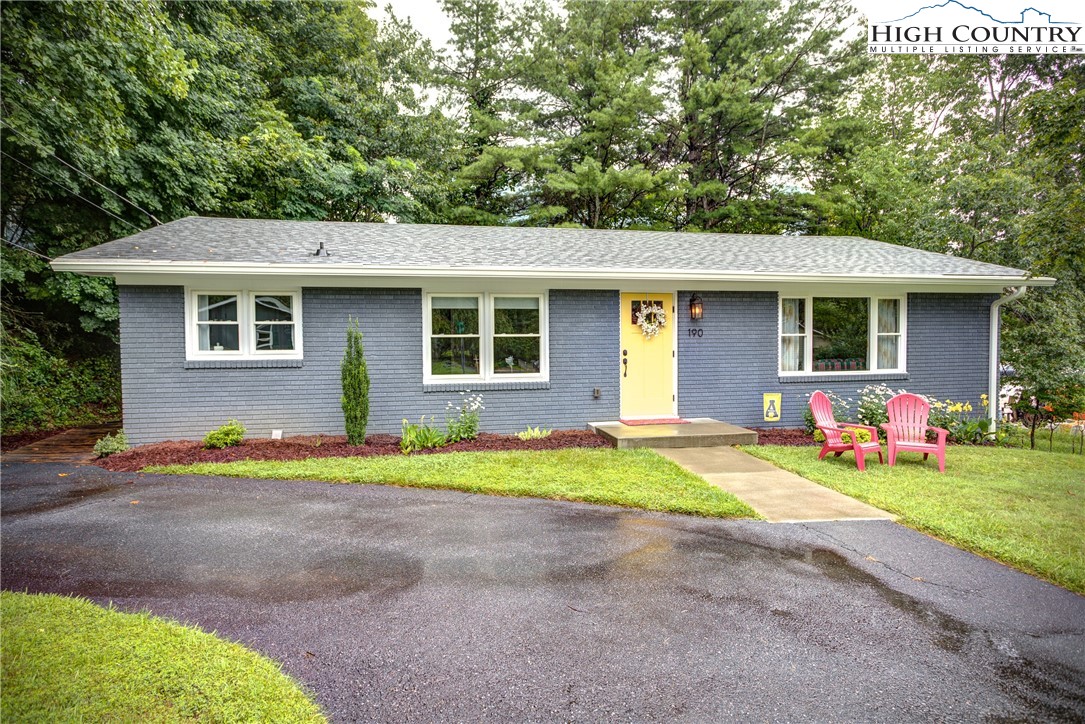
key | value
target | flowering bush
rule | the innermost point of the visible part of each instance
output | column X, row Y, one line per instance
column 872, row 400
column 841, row 407
column 463, row 420
column 957, row 418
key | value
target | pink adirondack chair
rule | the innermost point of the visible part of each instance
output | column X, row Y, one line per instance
column 833, row 430
column 907, row 429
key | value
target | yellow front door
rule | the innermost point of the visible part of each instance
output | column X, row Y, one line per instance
column 647, row 388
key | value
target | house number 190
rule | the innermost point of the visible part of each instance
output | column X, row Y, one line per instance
column 696, row 332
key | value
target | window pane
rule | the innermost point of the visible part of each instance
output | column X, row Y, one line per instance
column 455, row 315
column 792, row 353
column 794, row 321
column 219, row 337
column 516, row 355
column 454, row 356
column 889, row 315
column 516, row 315
column 217, row 307
column 841, row 333
column 275, row 336
column 274, row 309
column 888, row 352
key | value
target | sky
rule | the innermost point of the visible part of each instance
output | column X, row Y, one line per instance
column 426, row 17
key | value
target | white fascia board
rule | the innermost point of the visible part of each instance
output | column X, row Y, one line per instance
column 114, row 267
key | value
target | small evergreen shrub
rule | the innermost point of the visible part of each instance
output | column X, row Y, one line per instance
column 534, row 433
column 355, row 380
column 232, row 433
column 111, row 444
column 421, row 436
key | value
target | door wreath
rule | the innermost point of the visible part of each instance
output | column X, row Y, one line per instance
column 651, row 318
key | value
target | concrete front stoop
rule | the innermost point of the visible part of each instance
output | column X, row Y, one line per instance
column 777, row 495
column 697, row 432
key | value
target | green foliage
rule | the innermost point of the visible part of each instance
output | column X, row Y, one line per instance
column 355, row 381
column 261, row 109
column 463, row 420
column 111, row 444
column 845, row 437
column 230, row 434
column 632, row 478
column 534, row 433
column 42, row 390
column 67, row 659
column 421, row 436
column 1020, row 507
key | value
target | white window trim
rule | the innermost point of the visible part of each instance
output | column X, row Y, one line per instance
column 486, row 336
column 872, row 336
column 246, row 319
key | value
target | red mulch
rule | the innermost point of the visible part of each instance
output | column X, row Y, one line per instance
column 10, row 442
column 783, row 436
column 327, row 446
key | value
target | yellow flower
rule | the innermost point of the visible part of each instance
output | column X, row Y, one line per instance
column 968, row 407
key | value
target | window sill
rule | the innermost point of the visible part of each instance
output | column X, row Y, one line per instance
column 844, row 377
column 237, row 364
column 484, row 386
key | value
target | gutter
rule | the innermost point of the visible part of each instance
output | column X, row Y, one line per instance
column 111, row 267
column 994, row 387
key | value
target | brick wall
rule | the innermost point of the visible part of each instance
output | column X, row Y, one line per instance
column 166, row 399
column 724, row 373
column 721, row 374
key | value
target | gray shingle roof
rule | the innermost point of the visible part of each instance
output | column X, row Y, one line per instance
column 408, row 246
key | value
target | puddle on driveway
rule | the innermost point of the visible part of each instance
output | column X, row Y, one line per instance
column 951, row 634
column 55, row 502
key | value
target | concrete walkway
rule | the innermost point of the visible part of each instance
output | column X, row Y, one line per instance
column 780, row 496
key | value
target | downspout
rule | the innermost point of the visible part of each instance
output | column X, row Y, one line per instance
column 994, row 388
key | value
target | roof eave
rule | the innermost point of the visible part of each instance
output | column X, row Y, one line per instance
column 111, row 267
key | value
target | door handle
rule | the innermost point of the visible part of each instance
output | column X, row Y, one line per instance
column 625, row 367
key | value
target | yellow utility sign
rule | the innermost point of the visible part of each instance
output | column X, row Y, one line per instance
column 772, row 406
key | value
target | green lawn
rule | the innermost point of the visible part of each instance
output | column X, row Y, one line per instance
column 66, row 659
column 630, row 478
column 1024, row 508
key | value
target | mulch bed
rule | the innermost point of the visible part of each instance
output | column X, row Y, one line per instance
column 327, row 446
column 783, row 436
column 21, row 439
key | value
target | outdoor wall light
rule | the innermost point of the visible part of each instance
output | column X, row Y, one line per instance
column 696, row 308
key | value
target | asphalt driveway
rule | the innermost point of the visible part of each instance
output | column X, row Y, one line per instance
column 394, row 604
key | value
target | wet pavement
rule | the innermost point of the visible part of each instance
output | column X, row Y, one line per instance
column 393, row 604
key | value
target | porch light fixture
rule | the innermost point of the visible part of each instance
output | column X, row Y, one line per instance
column 696, row 308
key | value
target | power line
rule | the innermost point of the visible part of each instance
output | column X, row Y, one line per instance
column 84, row 173
column 73, row 193
column 28, row 250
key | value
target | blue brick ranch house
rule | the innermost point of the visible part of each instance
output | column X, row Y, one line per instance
column 232, row 318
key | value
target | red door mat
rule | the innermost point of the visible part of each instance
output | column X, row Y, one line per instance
column 657, row 421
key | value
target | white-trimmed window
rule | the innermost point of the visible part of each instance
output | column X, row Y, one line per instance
column 484, row 337
column 842, row 334
column 243, row 324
